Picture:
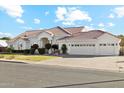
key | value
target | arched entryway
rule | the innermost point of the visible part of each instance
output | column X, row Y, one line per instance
column 44, row 41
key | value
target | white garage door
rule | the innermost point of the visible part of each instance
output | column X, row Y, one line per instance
column 107, row 50
column 82, row 50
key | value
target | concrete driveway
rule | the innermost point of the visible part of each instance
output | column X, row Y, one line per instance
column 109, row 63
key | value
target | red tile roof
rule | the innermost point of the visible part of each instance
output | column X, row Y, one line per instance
column 74, row 30
column 71, row 32
column 92, row 34
column 58, row 31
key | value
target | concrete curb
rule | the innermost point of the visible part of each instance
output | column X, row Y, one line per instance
column 13, row 61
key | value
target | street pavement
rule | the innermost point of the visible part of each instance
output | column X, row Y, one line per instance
column 22, row 75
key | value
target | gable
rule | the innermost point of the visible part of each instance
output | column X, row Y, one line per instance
column 74, row 30
column 57, row 31
column 107, row 37
column 45, row 35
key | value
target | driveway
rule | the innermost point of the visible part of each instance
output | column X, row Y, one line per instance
column 109, row 63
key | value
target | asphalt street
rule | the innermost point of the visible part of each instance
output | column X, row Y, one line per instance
column 21, row 75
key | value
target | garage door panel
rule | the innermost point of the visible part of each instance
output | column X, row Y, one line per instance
column 106, row 50
column 82, row 51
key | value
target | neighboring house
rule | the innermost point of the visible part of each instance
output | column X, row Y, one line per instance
column 78, row 40
column 3, row 45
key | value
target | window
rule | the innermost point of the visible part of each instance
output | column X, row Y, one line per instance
column 72, row 45
column 109, row 44
column 93, row 44
column 21, row 45
column 112, row 44
column 81, row 45
column 104, row 44
column 77, row 45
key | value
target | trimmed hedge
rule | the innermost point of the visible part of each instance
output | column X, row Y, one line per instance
column 17, row 51
column 41, row 51
column 27, row 51
column 32, row 51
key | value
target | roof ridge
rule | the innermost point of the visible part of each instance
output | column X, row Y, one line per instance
column 64, row 30
column 75, row 27
column 32, row 30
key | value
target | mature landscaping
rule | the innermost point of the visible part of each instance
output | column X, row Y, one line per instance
column 48, row 49
column 34, row 53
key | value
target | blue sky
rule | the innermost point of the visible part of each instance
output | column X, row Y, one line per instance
column 17, row 19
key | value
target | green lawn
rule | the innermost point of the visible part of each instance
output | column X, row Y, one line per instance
column 26, row 57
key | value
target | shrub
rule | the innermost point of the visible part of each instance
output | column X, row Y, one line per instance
column 41, row 51
column 17, row 51
column 64, row 49
column 32, row 51
column 27, row 51
column 9, row 50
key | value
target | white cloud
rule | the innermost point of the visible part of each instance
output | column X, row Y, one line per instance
column 111, row 24
column 101, row 25
column 27, row 28
column 12, row 10
column 69, row 15
column 89, row 28
column 119, row 11
column 2, row 34
column 20, row 21
column 61, row 11
column 103, row 29
column 47, row 13
column 41, row 28
column 111, row 16
column 67, row 23
column 37, row 21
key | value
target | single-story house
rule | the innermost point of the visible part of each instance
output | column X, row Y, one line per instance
column 78, row 40
column 3, row 45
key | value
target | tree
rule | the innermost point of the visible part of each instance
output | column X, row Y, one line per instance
column 35, row 46
column 48, row 46
column 122, row 40
column 5, row 38
column 55, row 47
column 64, row 49
column 121, row 43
